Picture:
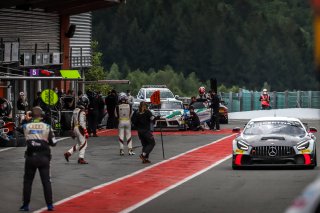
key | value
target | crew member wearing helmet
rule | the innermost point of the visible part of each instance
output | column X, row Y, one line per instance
column 78, row 124
column 265, row 99
column 123, row 113
column 202, row 94
column 39, row 136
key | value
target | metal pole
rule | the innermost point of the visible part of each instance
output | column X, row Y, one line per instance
column 163, row 155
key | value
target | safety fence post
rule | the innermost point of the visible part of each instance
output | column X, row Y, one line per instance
column 251, row 101
column 309, row 99
column 286, row 99
column 240, row 100
column 298, row 99
column 230, row 101
column 274, row 100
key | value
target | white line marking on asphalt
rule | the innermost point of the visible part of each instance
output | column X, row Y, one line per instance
column 5, row 149
column 173, row 186
column 142, row 170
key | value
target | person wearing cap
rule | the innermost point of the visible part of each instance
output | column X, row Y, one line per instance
column 39, row 137
column 265, row 99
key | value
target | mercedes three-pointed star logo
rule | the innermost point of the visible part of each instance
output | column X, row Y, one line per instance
column 272, row 151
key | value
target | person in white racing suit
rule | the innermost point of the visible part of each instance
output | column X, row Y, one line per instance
column 123, row 113
column 78, row 123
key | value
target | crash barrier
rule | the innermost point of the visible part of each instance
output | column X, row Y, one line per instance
column 249, row 100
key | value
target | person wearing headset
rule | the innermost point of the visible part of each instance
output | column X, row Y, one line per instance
column 39, row 137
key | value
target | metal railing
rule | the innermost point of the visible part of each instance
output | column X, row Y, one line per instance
column 249, row 100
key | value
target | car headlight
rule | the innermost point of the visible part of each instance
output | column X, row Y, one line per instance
column 303, row 145
column 242, row 145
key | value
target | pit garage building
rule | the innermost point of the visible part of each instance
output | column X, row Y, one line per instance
column 45, row 35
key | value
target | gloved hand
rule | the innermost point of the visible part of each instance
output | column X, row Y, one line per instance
column 73, row 136
column 86, row 135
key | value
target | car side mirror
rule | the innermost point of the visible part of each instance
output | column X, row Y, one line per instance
column 176, row 97
column 313, row 130
column 236, row 130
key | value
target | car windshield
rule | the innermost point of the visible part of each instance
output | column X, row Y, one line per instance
column 171, row 105
column 292, row 128
column 163, row 93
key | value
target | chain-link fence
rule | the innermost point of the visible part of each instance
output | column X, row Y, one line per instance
column 249, row 100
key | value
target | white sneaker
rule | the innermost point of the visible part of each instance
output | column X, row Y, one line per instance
column 121, row 152
column 131, row 152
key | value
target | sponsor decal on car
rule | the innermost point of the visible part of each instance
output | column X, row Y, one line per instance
column 239, row 151
column 307, row 151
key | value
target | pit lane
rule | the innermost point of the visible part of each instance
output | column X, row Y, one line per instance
column 218, row 190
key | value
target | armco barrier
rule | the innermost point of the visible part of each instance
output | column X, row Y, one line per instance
column 249, row 100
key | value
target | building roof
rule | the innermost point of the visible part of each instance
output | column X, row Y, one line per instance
column 63, row 7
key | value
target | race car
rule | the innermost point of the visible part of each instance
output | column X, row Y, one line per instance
column 204, row 112
column 170, row 113
column 274, row 141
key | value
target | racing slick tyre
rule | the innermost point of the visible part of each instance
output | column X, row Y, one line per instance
column 235, row 167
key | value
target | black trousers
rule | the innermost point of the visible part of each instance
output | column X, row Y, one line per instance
column 147, row 141
column 32, row 163
column 93, row 121
column 215, row 122
column 111, row 122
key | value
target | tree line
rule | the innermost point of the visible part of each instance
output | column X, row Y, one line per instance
column 244, row 43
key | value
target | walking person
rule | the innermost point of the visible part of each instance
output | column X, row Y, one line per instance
column 123, row 113
column 78, row 123
column 142, row 120
column 39, row 136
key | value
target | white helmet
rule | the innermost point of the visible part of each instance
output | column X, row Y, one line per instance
column 123, row 96
column 265, row 90
column 21, row 93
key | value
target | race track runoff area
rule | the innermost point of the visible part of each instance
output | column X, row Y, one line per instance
column 111, row 183
column 131, row 191
column 195, row 174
